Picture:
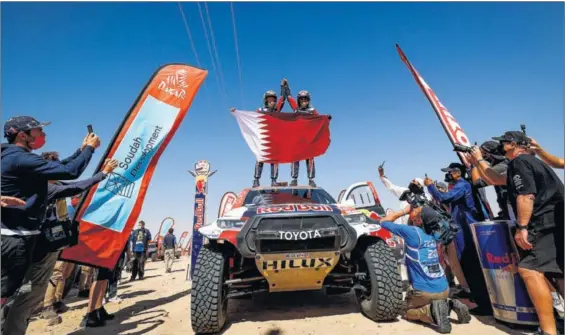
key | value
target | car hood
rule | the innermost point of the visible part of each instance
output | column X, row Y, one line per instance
column 297, row 209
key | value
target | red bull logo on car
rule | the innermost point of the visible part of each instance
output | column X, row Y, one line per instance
column 294, row 208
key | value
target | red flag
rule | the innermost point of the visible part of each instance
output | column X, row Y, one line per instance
column 284, row 137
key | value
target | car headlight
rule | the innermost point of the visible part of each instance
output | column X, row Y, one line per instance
column 356, row 219
column 229, row 224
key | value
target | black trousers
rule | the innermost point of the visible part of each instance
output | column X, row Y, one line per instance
column 17, row 252
column 138, row 268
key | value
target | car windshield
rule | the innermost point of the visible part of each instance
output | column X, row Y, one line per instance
column 288, row 196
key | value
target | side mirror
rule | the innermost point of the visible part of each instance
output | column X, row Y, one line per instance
column 349, row 202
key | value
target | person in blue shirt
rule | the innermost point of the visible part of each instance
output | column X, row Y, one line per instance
column 464, row 211
column 25, row 176
column 427, row 300
column 139, row 245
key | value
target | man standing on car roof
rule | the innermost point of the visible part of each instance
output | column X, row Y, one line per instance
column 302, row 107
column 270, row 105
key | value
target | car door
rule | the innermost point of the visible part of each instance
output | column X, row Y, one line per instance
column 363, row 195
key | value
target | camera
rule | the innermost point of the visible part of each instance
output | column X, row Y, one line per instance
column 461, row 148
column 444, row 229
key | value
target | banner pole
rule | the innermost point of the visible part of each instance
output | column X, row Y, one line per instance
column 201, row 174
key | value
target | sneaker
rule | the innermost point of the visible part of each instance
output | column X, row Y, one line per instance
column 312, row 183
column 92, row 320
column 51, row 316
column 115, row 299
column 60, row 307
column 274, row 183
column 104, row 315
column 461, row 310
column 256, row 183
column 294, row 182
column 440, row 315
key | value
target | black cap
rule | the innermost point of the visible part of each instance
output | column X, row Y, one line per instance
column 455, row 167
column 21, row 123
column 429, row 215
column 492, row 148
column 513, row 136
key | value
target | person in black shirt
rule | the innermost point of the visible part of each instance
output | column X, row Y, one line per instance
column 535, row 193
column 488, row 156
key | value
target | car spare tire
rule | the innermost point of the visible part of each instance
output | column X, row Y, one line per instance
column 382, row 298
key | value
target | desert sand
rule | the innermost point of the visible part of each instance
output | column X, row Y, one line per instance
column 160, row 304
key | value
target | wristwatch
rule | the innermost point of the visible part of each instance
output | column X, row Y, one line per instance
column 520, row 227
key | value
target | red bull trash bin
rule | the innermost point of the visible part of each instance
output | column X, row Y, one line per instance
column 499, row 262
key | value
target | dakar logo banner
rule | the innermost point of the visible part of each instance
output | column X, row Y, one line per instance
column 109, row 210
column 182, row 238
column 452, row 128
column 284, row 137
column 226, row 204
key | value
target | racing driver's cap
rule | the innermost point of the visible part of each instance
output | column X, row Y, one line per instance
column 21, row 123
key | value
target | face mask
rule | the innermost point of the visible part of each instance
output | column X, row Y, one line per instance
column 448, row 178
column 38, row 142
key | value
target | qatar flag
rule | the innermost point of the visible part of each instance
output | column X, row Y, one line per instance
column 284, row 137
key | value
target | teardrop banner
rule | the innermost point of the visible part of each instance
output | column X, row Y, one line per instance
column 226, row 204
column 108, row 211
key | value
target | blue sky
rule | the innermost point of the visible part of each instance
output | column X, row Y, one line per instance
column 493, row 65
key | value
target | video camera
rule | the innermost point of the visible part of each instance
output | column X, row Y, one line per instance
column 444, row 229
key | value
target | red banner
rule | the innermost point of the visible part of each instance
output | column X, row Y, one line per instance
column 284, row 137
column 109, row 210
column 452, row 128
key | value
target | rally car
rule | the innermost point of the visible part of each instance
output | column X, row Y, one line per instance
column 280, row 239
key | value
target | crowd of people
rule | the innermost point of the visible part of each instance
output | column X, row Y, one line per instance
column 529, row 193
column 37, row 224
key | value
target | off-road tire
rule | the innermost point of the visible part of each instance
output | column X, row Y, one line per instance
column 384, row 303
column 208, row 303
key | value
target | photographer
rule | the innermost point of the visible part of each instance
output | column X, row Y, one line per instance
column 427, row 300
column 489, row 168
column 47, row 249
column 536, row 194
column 397, row 190
column 464, row 212
column 25, row 176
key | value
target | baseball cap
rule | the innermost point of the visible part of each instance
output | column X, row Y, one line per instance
column 429, row 215
column 21, row 123
column 492, row 147
column 513, row 136
column 454, row 167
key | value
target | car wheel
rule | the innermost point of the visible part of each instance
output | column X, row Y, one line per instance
column 382, row 298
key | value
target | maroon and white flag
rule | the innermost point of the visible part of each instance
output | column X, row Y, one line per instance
column 284, row 137
column 227, row 202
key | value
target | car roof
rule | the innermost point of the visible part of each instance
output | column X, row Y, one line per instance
column 266, row 188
